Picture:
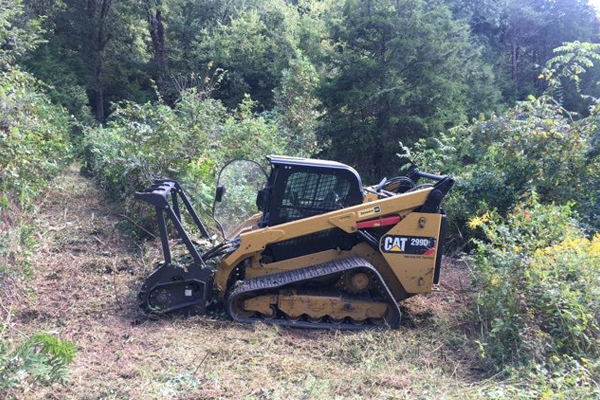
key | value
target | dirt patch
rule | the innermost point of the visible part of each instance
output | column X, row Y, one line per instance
column 449, row 300
column 88, row 272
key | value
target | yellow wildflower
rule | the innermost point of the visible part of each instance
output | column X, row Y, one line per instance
column 478, row 221
column 475, row 222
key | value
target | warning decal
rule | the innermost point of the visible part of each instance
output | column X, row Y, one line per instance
column 369, row 211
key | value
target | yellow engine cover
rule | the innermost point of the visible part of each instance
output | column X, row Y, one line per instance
column 410, row 248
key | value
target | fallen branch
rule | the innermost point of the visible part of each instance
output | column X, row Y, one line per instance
column 199, row 365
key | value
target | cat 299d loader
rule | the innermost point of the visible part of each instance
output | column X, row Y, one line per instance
column 323, row 251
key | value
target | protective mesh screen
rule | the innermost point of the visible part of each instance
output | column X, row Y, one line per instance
column 309, row 194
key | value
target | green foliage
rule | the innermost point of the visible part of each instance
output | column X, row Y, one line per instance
column 571, row 62
column 400, row 70
column 431, row 69
column 538, row 278
column 64, row 86
column 17, row 243
column 34, row 138
column 188, row 142
column 34, row 146
column 561, row 378
column 18, row 34
column 517, row 36
column 535, row 145
column 42, row 359
column 297, row 107
column 535, row 261
column 498, row 160
column 86, row 44
column 254, row 46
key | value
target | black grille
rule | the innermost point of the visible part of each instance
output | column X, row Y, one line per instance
column 309, row 194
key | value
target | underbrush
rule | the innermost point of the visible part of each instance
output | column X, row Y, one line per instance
column 192, row 139
column 34, row 138
column 41, row 359
column 538, row 299
column 34, row 147
column 189, row 142
column 499, row 160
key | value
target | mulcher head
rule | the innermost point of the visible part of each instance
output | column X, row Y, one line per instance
column 172, row 287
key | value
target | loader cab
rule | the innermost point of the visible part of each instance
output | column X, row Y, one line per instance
column 299, row 188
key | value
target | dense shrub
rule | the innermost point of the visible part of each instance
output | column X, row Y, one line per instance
column 34, row 137
column 188, row 142
column 34, row 146
column 498, row 160
column 19, row 33
column 538, row 279
column 536, row 145
column 144, row 141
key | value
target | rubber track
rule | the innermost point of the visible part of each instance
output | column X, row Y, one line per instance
column 272, row 282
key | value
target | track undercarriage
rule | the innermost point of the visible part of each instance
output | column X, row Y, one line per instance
column 343, row 294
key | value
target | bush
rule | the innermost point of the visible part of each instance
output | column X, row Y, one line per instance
column 188, row 142
column 34, row 146
column 539, row 285
column 34, row 137
column 536, row 145
column 42, row 359
column 496, row 161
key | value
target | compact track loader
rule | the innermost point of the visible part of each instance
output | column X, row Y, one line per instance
column 321, row 252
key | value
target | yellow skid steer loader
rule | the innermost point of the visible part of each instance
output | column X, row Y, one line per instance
column 319, row 251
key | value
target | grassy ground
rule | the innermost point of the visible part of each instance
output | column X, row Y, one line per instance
column 88, row 272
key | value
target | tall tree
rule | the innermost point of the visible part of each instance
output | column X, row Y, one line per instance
column 400, row 70
column 519, row 35
column 254, row 46
column 18, row 33
column 190, row 23
column 95, row 49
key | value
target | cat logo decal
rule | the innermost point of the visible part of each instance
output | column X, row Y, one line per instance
column 419, row 245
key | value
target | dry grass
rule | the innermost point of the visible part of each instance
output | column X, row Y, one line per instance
column 88, row 272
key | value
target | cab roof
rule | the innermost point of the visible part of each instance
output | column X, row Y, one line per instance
column 308, row 162
column 337, row 167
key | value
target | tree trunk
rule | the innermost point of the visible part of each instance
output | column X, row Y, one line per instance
column 99, row 88
column 514, row 56
column 157, row 35
column 98, row 41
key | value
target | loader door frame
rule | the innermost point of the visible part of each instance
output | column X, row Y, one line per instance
column 221, row 190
